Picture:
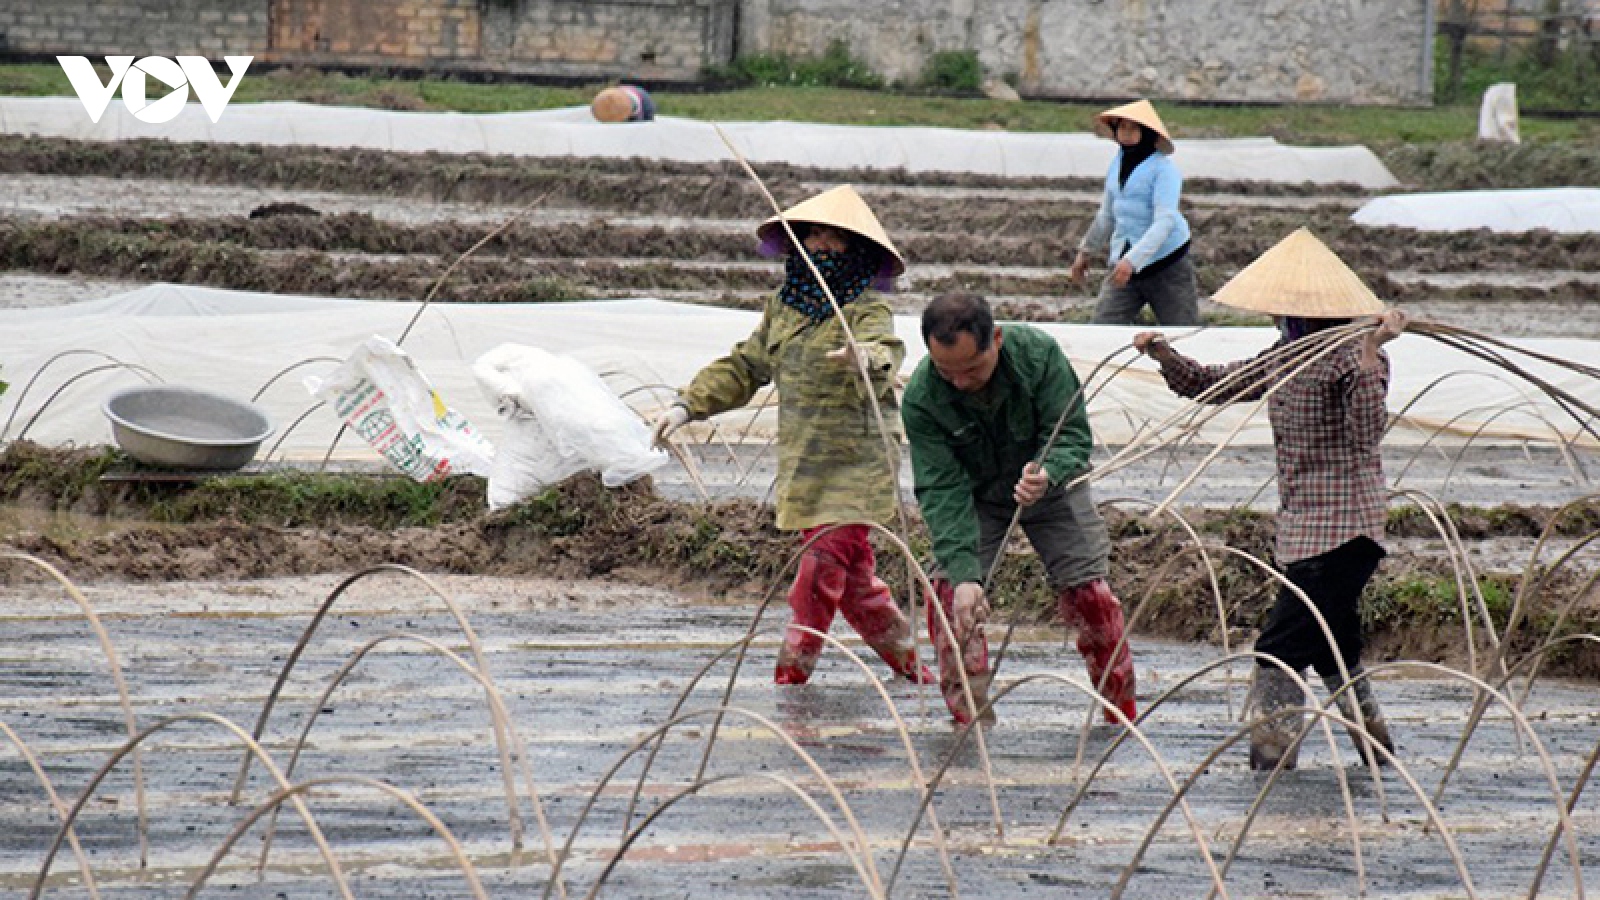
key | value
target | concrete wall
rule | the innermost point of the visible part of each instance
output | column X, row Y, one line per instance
column 644, row 39
column 640, row 39
column 1328, row 51
column 404, row 31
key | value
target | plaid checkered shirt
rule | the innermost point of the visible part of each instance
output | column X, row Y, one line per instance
column 1327, row 423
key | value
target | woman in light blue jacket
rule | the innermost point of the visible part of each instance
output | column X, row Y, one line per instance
column 1139, row 220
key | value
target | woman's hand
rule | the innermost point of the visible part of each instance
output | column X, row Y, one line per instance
column 844, row 356
column 1390, row 325
column 1122, row 273
column 1080, row 268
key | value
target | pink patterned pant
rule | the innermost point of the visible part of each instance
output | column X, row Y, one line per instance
column 1090, row 606
column 838, row 574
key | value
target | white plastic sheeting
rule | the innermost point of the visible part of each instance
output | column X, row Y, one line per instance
column 1569, row 210
column 237, row 342
column 574, row 132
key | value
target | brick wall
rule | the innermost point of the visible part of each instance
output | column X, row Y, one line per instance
column 641, row 39
column 645, row 39
column 213, row 28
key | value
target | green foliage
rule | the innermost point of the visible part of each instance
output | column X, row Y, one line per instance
column 1570, row 81
column 836, row 68
column 1428, row 599
column 753, row 71
column 953, row 70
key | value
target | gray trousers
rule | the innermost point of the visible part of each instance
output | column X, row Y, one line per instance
column 1172, row 293
column 1064, row 528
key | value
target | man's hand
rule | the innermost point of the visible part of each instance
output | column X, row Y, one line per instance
column 1122, row 273
column 1032, row 485
column 845, row 356
column 971, row 609
column 1080, row 268
column 676, row 416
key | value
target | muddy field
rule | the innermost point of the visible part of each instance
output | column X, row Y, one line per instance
column 586, row 669
column 383, row 226
column 206, row 585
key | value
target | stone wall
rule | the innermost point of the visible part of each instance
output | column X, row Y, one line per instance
column 663, row 40
column 1327, row 51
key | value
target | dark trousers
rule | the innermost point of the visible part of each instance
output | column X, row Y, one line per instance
column 1333, row 581
column 1172, row 293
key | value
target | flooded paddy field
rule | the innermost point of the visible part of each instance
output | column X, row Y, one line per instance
column 586, row 669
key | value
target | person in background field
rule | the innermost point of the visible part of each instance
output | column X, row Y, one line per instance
column 978, row 411
column 1327, row 424
column 833, row 469
column 1140, row 222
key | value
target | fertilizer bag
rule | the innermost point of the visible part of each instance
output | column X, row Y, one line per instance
column 385, row 398
column 562, row 419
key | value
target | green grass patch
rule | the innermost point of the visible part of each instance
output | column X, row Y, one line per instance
column 52, row 479
column 831, row 89
column 954, row 70
column 835, row 68
column 1430, row 599
column 297, row 500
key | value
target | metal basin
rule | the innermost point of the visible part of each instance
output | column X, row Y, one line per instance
column 179, row 427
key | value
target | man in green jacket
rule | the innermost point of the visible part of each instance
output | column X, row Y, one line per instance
column 977, row 412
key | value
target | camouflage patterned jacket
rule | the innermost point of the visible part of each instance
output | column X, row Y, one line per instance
column 831, row 461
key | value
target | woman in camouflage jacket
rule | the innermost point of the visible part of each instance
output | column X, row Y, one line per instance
column 834, row 474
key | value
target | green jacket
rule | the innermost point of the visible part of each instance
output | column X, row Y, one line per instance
column 832, row 465
column 975, row 446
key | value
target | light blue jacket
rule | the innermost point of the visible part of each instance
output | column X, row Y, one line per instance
column 1142, row 213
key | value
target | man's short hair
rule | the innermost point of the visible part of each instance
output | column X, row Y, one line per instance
column 948, row 316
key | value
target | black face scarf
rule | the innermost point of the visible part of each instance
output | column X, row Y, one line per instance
column 847, row 274
column 1138, row 153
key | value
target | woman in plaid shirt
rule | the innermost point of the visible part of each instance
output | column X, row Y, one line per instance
column 1328, row 417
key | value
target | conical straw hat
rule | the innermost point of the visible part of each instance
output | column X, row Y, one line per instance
column 1138, row 111
column 840, row 207
column 614, row 104
column 1300, row 277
